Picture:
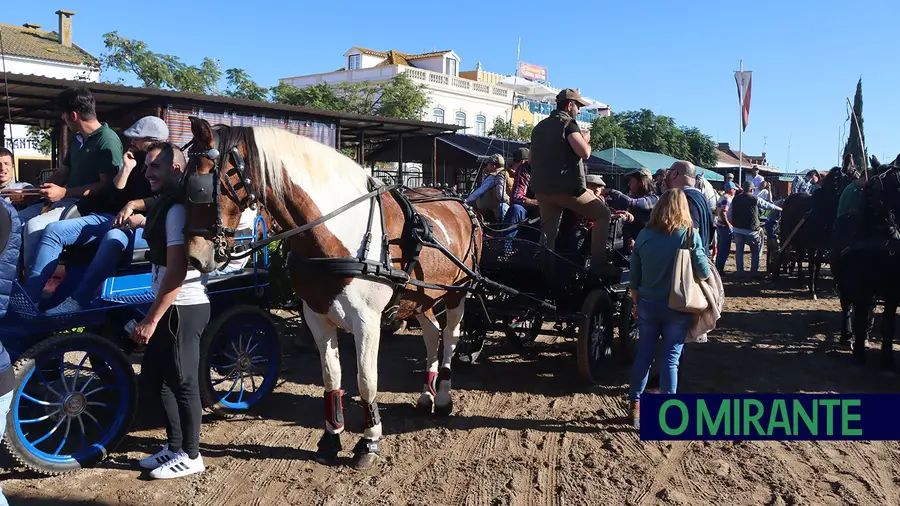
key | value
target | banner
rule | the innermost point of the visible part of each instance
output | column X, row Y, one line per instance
column 744, row 85
column 745, row 417
column 533, row 72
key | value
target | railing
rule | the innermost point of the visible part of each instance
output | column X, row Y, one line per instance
column 455, row 83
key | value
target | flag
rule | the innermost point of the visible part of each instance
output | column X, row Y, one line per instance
column 744, row 80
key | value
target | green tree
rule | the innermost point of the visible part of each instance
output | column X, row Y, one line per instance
column 604, row 131
column 504, row 129
column 853, row 145
column 318, row 96
column 240, row 85
column 398, row 98
column 41, row 137
column 701, row 147
column 401, row 97
column 645, row 131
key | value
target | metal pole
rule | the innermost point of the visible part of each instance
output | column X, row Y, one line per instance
column 512, row 108
column 741, row 126
column 400, row 159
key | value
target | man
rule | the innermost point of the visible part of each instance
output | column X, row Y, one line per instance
column 574, row 228
column 128, row 184
column 754, row 176
column 744, row 217
column 93, row 159
column 490, row 199
column 522, row 203
column 682, row 174
column 174, row 323
column 659, row 180
column 8, row 177
column 637, row 205
column 723, row 228
column 807, row 184
column 558, row 147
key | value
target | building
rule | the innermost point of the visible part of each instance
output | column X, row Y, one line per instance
column 29, row 50
column 731, row 159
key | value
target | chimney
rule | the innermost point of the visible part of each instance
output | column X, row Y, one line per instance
column 31, row 26
column 65, row 27
column 724, row 146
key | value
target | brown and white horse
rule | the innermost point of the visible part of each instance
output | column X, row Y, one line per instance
column 299, row 180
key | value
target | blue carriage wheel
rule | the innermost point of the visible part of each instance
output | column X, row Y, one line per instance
column 74, row 402
column 240, row 358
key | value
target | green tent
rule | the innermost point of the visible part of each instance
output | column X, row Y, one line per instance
column 631, row 159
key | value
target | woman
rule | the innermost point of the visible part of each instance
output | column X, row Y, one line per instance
column 636, row 206
column 652, row 264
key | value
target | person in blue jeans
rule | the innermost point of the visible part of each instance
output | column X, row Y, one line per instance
column 652, row 265
column 724, row 232
column 96, row 226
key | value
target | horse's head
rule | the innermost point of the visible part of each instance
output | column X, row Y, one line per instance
column 218, row 189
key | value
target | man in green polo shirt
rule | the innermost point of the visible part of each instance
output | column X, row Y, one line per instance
column 93, row 158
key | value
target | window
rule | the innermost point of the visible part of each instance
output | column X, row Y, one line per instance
column 461, row 119
column 355, row 61
column 438, row 115
column 451, row 66
column 480, row 123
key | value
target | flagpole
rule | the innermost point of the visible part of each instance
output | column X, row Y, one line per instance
column 512, row 107
column 741, row 126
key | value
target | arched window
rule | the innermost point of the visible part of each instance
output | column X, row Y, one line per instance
column 438, row 115
column 461, row 118
column 480, row 124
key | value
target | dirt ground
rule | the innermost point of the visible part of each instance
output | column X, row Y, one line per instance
column 525, row 432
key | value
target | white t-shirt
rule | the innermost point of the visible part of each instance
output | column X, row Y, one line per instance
column 193, row 290
column 724, row 201
column 764, row 195
column 757, row 180
column 247, row 221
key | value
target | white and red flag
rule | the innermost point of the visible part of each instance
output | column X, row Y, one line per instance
column 744, row 79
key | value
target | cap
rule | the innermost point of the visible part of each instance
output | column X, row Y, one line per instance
column 594, row 179
column 570, row 94
column 642, row 172
column 521, row 154
column 730, row 186
column 685, row 168
column 729, row 176
column 496, row 159
column 148, row 127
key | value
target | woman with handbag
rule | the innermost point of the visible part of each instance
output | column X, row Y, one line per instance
column 667, row 259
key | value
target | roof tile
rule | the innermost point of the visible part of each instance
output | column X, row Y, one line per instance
column 42, row 45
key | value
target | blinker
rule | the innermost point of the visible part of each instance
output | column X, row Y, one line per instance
column 200, row 188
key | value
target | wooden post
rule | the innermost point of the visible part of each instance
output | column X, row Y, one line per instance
column 400, row 159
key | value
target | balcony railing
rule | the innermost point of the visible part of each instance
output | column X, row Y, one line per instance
column 455, row 83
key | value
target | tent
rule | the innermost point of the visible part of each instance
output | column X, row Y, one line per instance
column 632, row 159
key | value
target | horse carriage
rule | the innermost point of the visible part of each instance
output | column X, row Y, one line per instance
column 556, row 287
column 76, row 390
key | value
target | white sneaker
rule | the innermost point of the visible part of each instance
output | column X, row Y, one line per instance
column 67, row 306
column 158, row 459
column 179, row 467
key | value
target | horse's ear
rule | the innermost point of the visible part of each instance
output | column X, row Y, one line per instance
column 897, row 161
column 203, row 134
column 874, row 162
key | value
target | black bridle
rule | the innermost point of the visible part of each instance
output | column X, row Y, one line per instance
column 209, row 188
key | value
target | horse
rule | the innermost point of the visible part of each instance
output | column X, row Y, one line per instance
column 341, row 275
column 866, row 267
column 806, row 225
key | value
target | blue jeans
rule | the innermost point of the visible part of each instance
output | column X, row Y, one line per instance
column 514, row 215
column 656, row 320
column 5, row 401
column 754, row 243
column 34, row 223
column 723, row 244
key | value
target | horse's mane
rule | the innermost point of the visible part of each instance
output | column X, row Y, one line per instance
column 271, row 154
column 881, row 197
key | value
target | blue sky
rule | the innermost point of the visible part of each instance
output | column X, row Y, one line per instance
column 674, row 57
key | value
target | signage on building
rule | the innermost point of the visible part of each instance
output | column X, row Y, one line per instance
column 22, row 144
column 533, row 72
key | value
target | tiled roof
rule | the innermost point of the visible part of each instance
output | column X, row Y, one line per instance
column 400, row 55
column 42, row 45
column 427, row 55
column 371, row 52
column 394, row 58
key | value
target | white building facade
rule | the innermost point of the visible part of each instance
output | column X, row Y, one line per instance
column 452, row 99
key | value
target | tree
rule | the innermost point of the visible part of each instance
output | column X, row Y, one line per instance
column 42, row 137
column 402, row 98
column 605, row 130
column 240, row 85
column 398, row 98
column 503, row 129
column 854, row 147
column 318, row 96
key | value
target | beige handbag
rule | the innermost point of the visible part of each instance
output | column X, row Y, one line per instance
column 686, row 294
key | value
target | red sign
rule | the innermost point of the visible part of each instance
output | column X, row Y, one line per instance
column 533, row 72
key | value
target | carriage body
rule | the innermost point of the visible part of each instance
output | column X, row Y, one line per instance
column 76, row 386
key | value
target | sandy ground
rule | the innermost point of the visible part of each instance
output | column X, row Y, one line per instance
column 525, row 432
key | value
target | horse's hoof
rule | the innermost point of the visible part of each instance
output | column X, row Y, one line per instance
column 328, row 449
column 444, row 409
column 366, row 453
column 425, row 403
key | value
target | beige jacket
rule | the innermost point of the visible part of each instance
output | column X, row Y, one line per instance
column 706, row 321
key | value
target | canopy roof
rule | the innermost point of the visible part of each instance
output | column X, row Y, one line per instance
column 632, row 160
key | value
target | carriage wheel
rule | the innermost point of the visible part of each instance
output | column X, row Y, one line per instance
column 474, row 332
column 69, row 412
column 525, row 330
column 240, row 358
column 595, row 337
column 628, row 329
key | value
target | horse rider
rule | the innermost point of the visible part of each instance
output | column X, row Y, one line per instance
column 807, row 184
column 522, row 203
column 558, row 148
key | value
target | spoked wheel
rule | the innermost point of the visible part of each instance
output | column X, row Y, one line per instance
column 240, row 358
column 628, row 329
column 74, row 402
column 524, row 330
column 595, row 337
column 474, row 332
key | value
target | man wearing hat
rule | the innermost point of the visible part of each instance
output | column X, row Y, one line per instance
column 637, row 206
column 96, row 223
column 573, row 227
column 491, row 198
column 558, row 147
column 522, row 203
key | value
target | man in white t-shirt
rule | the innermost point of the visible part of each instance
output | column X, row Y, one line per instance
column 173, row 325
column 754, row 176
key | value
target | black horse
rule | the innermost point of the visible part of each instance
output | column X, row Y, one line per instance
column 806, row 224
column 867, row 268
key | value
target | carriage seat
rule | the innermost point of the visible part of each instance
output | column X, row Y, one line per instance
column 84, row 254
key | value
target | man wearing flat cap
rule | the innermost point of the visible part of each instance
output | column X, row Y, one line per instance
column 558, row 147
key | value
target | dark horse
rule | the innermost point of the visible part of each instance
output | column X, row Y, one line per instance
column 867, row 267
column 804, row 230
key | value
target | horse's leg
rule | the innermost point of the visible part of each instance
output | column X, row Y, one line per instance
column 443, row 401
column 846, row 325
column 888, row 321
column 325, row 334
column 860, row 327
column 813, row 272
column 431, row 334
column 367, row 331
